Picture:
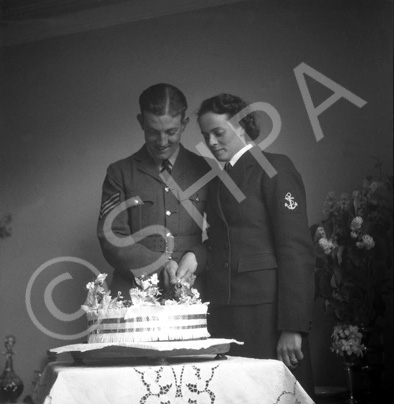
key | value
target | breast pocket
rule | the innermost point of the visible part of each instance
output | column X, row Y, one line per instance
column 142, row 213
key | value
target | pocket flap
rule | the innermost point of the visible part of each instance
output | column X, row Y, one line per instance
column 197, row 197
column 145, row 196
column 257, row 262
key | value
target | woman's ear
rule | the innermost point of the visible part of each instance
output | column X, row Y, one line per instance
column 242, row 135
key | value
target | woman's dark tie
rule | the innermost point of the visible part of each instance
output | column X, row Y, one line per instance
column 223, row 190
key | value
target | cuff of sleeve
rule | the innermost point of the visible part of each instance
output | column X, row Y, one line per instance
column 200, row 253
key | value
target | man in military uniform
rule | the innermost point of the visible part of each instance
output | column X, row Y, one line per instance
column 148, row 219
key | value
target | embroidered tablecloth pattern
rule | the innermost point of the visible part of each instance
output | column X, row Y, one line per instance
column 185, row 380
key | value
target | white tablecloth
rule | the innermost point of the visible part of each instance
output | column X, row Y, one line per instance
column 197, row 380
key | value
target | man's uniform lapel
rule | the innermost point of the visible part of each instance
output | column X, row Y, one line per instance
column 146, row 164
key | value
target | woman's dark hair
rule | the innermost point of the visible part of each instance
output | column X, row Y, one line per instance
column 230, row 105
column 163, row 99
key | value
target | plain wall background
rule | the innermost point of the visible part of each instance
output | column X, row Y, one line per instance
column 68, row 108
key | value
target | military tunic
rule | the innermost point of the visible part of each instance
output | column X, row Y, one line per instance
column 138, row 197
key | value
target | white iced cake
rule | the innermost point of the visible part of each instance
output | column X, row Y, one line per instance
column 148, row 316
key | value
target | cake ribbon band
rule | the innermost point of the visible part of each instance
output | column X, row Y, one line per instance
column 148, row 329
column 117, row 320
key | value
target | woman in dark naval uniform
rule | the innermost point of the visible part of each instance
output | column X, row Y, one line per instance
column 259, row 253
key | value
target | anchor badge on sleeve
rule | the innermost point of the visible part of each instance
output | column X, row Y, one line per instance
column 292, row 204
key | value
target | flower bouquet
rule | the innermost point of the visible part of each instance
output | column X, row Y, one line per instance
column 347, row 342
column 354, row 253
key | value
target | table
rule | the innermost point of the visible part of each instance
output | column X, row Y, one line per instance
column 203, row 379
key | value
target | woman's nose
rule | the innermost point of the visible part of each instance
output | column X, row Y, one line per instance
column 212, row 140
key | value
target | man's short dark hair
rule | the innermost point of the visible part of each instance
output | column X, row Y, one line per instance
column 163, row 99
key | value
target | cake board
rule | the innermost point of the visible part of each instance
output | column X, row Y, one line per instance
column 151, row 351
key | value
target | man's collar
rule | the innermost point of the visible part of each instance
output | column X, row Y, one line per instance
column 171, row 159
column 174, row 156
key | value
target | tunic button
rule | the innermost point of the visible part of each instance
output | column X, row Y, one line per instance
column 226, row 244
column 168, row 212
column 225, row 265
column 166, row 189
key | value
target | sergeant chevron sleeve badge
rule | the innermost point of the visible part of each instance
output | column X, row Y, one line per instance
column 109, row 204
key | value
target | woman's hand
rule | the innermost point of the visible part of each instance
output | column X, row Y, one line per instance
column 289, row 348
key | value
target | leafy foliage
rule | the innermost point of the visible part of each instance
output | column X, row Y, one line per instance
column 354, row 253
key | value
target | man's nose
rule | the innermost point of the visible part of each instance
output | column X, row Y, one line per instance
column 163, row 139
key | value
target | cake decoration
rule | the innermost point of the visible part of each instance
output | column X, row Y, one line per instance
column 149, row 314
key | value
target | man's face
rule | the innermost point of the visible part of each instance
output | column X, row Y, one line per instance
column 162, row 133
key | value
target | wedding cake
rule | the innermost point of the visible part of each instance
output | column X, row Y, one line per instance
column 149, row 315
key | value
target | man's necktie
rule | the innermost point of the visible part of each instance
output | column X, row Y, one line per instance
column 166, row 166
column 228, row 167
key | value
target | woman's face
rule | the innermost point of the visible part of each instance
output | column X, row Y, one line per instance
column 220, row 136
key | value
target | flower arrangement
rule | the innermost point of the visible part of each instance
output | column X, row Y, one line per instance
column 353, row 249
column 147, row 293
column 347, row 341
column 100, row 298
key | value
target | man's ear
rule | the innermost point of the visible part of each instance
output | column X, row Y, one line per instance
column 185, row 121
column 140, row 119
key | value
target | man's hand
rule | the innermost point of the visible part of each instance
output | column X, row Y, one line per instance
column 289, row 348
column 169, row 272
column 186, row 268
